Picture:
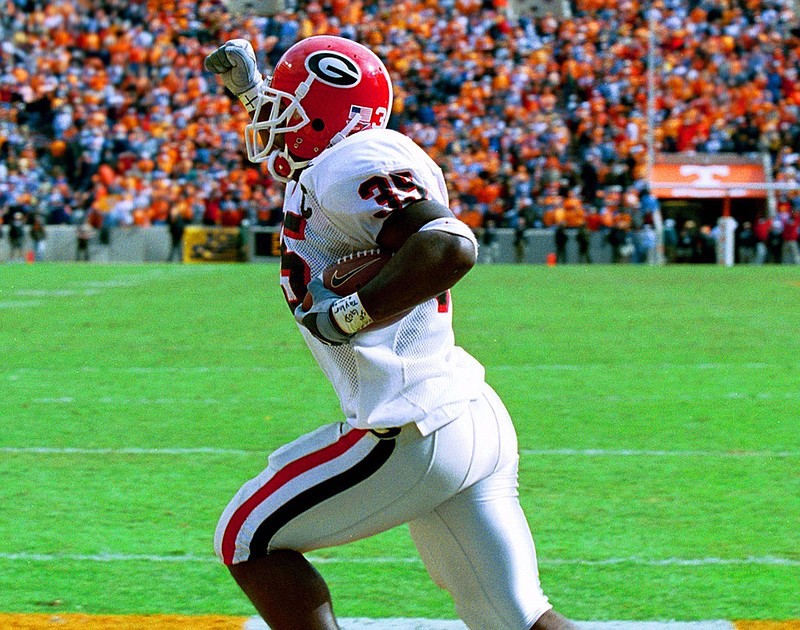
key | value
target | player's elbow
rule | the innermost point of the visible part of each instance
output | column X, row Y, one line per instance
column 467, row 254
column 457, row 256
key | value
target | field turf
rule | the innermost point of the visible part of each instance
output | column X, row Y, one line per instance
column 658, row 411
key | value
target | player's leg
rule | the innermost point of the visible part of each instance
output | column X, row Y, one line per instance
column 286, row 591
column 281, row 584
column 551, row 620
column 478, row 545
column 327, row 488
column 495, row 589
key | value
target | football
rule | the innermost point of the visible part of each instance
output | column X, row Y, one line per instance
column 347, row 275
column 254, row 7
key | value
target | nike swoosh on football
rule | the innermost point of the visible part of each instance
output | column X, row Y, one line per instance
column 337, row 280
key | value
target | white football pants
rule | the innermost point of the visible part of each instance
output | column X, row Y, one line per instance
column 456, row 488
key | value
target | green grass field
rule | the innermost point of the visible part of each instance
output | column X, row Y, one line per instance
column 658, row 411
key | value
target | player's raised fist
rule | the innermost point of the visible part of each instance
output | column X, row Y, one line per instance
column 235, row 63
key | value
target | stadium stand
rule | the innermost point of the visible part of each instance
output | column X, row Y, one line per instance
column 106, row 110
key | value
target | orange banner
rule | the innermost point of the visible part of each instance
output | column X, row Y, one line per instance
column 680, row 181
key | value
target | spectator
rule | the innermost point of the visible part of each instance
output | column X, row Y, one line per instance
column 490, row 246
column 38, row 235
column 584, row 241
column 688, row 248
column 16, row 236
column 670, row 240
column 561, row 238
column 104, row 238
column 574, row 214
column 791, row 231
column 644, row 245
column 177, row 226
column 520, row 240
column 761, row 231
column 706, row 246
column 84, row 234
column 553, row 205
column 746, row 244
column 775, row 242
column 509, row 107
column 621, row 248
column 654, row 256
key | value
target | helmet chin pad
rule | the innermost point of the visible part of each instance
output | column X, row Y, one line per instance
column 282, row 166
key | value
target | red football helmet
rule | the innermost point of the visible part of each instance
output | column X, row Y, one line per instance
column 323, row 89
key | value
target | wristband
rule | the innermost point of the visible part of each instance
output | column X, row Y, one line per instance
column 249, row 97
column 349, row 314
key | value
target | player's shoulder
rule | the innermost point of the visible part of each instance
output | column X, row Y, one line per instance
column 375, row 140
column 365, row 154
column 355, row 175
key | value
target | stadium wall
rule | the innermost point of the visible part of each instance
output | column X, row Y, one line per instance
column 152, row 244
column 129, row 244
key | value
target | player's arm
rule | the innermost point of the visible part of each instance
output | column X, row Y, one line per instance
column 433, row 251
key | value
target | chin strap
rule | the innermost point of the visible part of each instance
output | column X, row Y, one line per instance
column 351, row 124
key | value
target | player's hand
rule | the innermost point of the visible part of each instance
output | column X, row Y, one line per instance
column 318, row 319
column 235, row 63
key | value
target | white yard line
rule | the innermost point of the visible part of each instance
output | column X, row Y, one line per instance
column 255, row 623
column 132, row 369
column 555, row 452
column 201, row 450
column 44, row 293
column 20, row 303
column 577, row 367
column 193, row 558
column 147, row 402
column 656, row 625
column 610, row 398
column 89, row 288
column 625, row 452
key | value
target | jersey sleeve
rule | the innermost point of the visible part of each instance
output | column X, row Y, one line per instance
column 367, row 177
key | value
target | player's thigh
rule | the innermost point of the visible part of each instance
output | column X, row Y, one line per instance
column 334, row 486
column 478, row 547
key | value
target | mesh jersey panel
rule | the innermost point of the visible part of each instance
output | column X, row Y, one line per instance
column 404, row 372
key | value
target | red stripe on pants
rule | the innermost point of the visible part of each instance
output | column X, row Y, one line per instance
column 278, row 480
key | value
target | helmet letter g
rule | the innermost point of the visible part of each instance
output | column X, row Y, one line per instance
column 334, row 69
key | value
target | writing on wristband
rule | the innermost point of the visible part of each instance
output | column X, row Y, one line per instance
column 249, row 97
column 349, row 314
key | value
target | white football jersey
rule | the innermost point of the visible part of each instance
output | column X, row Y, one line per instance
column 410, row 371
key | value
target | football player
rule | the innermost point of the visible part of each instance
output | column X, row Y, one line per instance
column 424, row 440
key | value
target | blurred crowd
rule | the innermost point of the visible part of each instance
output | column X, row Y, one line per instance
column 108, row 117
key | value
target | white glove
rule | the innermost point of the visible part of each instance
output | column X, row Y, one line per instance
column 235, row 63
column 319, row 318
